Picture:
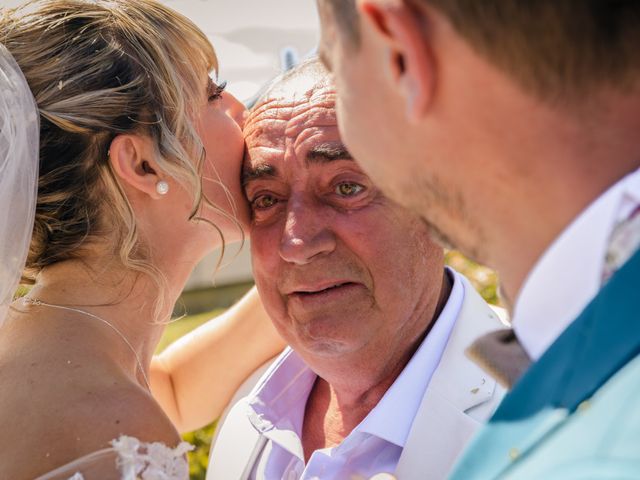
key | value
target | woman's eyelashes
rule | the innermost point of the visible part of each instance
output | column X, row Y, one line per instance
column 214, row 91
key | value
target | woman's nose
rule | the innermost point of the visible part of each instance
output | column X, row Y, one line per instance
column 234, row 108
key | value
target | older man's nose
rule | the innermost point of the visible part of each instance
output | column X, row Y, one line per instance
column 234, row 108
column 306, row 236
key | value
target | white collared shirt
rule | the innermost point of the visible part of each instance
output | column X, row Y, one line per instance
column 277, row 406
column 568, row 275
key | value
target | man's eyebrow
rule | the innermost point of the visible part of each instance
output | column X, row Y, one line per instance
column 328, row 152
column 251, row 173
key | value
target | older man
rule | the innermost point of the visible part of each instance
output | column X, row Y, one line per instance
column 513, row 130
column 376, row 380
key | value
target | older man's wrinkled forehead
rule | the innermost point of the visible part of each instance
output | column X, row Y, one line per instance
column 302, row 99
column 281, row 118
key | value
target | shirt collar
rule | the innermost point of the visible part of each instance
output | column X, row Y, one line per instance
column 284, row 387
column 392, row 418
column 567, row 276
column 277, row 403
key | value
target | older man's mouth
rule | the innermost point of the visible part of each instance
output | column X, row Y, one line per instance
column 327, row 292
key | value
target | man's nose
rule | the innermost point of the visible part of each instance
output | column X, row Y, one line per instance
column 234, row 108
column 307, row 234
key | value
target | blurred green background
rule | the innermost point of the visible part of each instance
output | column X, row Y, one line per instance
column 214, row 301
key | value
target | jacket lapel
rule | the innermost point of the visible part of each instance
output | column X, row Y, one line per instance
column 236, row 447
column 442, row 427
column 604, row 338
column 499, row 444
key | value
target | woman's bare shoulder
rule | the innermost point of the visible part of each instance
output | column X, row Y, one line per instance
column 79, row 421
column 115, row 408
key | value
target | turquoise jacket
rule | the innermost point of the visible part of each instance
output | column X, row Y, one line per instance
column 575, row 414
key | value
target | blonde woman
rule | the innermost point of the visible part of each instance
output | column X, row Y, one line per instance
column 139, row 154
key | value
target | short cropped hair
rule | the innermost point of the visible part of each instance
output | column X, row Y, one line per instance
column 308, row 75
column 552, row 47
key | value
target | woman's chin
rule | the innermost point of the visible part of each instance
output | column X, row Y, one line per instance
column 234, row 238
column 232, row 231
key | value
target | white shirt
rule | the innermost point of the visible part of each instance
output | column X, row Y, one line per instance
column 568, row 275
column 277, row 406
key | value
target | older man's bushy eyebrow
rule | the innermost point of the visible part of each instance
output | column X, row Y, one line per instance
column 328, row 152
column 250, row 174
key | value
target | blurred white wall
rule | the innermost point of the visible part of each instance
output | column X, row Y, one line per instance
column 248, row 35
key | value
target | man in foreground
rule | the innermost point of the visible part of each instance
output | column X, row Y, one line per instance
column 376, row 380
column 513, row 130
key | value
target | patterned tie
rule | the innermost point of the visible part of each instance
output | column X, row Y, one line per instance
column 501, row 355
column 623, row 243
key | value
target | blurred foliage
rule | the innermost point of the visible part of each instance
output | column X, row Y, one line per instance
column 482, row 278
column 199, row 457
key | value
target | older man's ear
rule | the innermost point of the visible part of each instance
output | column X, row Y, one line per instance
column 393, row 33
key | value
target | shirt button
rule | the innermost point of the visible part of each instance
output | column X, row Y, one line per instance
column 584, row 406
column 514, row 453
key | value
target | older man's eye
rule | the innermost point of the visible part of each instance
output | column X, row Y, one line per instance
column 347, row 189
column 263, row 202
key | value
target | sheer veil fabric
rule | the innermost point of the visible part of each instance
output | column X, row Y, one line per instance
column 19, row 162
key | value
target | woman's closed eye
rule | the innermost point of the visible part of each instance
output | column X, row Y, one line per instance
column 214, row 91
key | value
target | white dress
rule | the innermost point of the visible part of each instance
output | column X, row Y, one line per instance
column 128, row 459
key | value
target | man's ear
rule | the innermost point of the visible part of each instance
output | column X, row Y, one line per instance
column 132, row 158
column 406, row 54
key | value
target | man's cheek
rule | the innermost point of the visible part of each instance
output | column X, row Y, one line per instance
column 264, row 250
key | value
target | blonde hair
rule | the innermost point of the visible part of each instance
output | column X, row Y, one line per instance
column 98, row 69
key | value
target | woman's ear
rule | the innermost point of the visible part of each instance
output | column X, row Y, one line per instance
column 404, row 51
column 132, row 158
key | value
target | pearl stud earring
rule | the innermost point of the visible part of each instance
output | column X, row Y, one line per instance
column 162, row 187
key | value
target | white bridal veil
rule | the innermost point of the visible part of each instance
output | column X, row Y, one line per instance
column 19, row 154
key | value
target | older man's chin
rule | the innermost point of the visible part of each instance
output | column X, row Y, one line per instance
column 325, row 347
column 324, row 343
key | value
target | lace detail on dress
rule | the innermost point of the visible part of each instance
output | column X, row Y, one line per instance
column 127, row 459
column 151, row 461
